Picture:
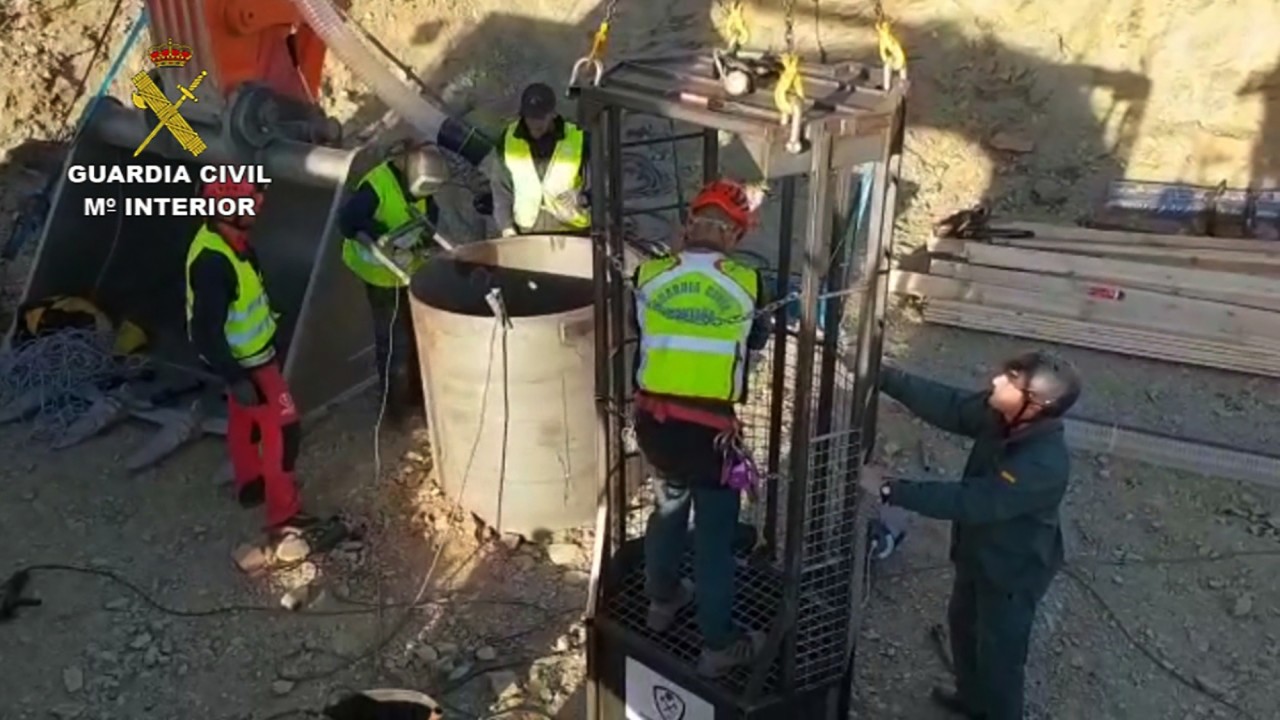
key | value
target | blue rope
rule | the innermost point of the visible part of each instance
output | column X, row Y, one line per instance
column 135, row 31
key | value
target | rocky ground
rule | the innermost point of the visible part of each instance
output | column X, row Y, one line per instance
column 1159, row 615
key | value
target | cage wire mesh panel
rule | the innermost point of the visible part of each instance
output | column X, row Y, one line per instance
column 800, row 574
column 832, row 534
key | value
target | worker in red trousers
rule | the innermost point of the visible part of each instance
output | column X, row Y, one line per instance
column 232, row 326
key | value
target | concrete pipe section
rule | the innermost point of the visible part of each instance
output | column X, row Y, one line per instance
column 512, row 411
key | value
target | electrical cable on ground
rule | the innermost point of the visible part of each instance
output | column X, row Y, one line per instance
column 1168, row 667
column 1069, row 569
column 375, row 648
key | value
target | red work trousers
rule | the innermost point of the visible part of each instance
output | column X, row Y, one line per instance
column 263, row 441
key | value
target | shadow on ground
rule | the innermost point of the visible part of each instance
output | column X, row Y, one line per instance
column 1266, row 153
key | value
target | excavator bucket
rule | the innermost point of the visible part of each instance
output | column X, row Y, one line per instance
column 132, row 266
column 240, row 88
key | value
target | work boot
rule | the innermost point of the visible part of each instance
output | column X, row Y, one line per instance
column 303, row 535
column 252, row 494
column 951, row 701
column 717, row 663
column 662, row 615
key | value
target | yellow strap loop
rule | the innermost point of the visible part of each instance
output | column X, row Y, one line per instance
column 789, row 92
column 600, row 42
column 891, row 52
column 736, row 30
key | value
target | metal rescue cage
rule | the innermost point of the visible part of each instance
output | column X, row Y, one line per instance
column 810, row 417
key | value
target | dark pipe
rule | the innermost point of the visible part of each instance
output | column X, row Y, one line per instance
column 782, row 636
column 464, row 140
column 661, row 139
column 283, row 159
column 618, row 313
column 832, row 312
column 710, row 155
column 782, row 286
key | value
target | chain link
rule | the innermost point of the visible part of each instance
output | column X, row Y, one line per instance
column 790, row 27
column 610, row 11
column 684, row 316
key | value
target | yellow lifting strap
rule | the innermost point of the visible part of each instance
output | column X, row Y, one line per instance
column 891, row 52
column 600, row 42
column 788, row 94
column 736, row 30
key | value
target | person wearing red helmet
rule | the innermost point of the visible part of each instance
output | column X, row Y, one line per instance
column 697, row 317
column 232, row 327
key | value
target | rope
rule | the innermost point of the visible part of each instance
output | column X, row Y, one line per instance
column 98, row 45
column 54, row 378
column 135, row 32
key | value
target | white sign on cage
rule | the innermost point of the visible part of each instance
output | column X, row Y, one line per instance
column 649, row 696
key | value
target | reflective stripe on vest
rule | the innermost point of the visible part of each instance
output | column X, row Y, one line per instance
column 250, row 325
column 393, row 212
column 535, row 194
column 695, row 313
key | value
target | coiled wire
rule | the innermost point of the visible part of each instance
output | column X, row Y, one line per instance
column 55, row 378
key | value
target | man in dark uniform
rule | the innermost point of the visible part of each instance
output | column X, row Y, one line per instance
column 1006, row 540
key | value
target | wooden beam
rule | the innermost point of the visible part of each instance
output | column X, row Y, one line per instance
column 1066, row 297
column 1184, row 454
column 1113, row 237
column 1243, row 357
column 1247, row 290
column 1237, row 261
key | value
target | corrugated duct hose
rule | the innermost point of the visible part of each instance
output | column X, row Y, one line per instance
column 432, row 122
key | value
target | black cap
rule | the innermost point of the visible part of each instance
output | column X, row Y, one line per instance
column 537, row 101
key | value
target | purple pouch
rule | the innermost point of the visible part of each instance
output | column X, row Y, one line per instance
column 737, row 470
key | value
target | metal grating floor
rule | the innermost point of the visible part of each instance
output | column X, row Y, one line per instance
column 756, row 604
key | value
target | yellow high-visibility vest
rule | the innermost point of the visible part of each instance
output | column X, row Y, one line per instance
column 394, row 210
column 250, row 325
column 695, row 313
column 534, row 194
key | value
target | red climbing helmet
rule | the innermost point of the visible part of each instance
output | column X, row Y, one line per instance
column 731, row 197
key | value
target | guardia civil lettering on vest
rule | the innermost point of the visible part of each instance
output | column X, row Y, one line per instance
column 166, row 174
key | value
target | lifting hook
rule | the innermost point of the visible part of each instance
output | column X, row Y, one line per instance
column 597, row 70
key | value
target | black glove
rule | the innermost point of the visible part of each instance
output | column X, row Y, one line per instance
column 244, row 392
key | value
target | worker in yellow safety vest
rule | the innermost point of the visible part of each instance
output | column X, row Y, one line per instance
column 698, row 318
column 232, row 326
column 394, row 194
column 540, row 185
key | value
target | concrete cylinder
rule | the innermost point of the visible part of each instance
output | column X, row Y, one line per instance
column 512, row 410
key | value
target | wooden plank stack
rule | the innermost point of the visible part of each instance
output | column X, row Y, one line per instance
column 1207, row 301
